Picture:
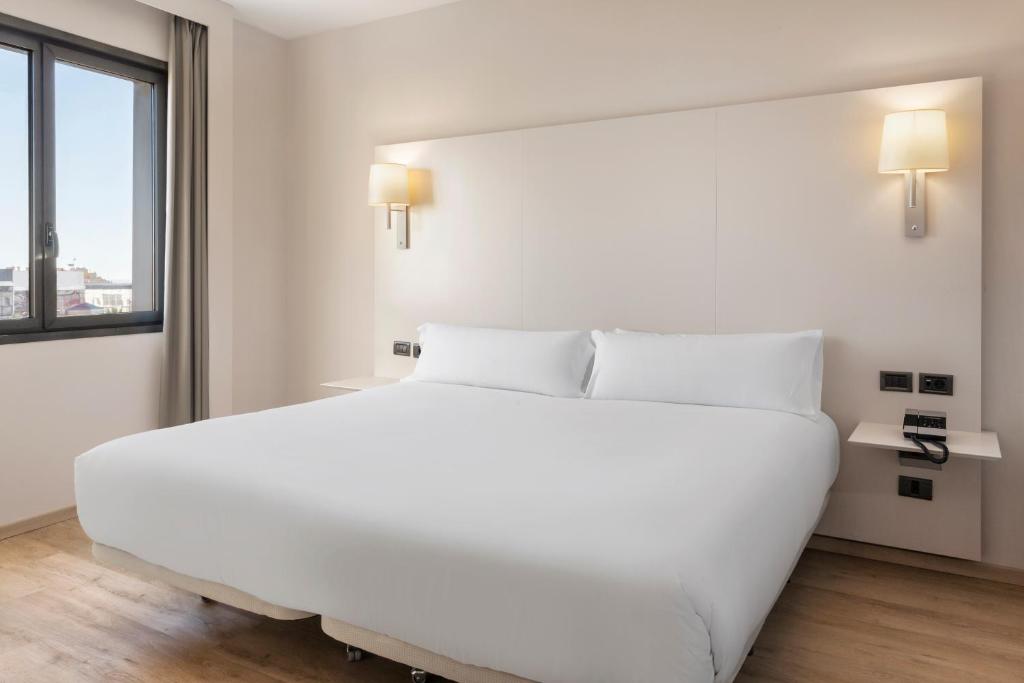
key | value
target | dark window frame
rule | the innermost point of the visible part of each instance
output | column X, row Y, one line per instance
column 46, row 47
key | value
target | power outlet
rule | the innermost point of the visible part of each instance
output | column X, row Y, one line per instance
column 914, row 487
column 402, row 348
column 931, row 383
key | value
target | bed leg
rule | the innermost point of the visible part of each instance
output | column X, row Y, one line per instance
column 353, row 653
column 751, row 653
column 206, row 600
column 419, row 676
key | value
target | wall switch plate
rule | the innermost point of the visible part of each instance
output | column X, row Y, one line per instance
column 914, row 487
column 402, row 348
column 416, row 348
column 931, row 383
column 893, row 380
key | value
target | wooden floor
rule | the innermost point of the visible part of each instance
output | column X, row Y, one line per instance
column 64, row 618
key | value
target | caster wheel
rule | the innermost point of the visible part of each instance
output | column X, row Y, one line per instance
column 206, row 600
column 419, row 676
column 354, row 654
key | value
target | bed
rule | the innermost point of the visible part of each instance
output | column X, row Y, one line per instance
column 514, row 535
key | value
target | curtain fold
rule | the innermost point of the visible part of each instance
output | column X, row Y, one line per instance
column 185, row 382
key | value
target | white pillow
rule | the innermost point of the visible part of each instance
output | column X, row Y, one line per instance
column 768, row 371
column 552, row 363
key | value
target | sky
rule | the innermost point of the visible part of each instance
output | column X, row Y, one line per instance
column 93, row 120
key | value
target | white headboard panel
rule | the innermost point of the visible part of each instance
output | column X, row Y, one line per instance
column 765, row 216
column 619, row 224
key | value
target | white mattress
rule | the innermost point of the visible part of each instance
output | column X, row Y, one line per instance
column 555, row 539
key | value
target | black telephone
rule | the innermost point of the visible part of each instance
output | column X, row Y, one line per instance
column 930, row 426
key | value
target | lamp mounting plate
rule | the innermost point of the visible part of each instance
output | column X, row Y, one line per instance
column 399, row 222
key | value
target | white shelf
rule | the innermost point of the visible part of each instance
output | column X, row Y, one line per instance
column 359, row 383
column 977, row 445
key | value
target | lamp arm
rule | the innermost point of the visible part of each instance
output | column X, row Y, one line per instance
column 914, row 212
column 913, row 180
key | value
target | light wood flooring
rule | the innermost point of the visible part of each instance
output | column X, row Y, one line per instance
column 844, row 619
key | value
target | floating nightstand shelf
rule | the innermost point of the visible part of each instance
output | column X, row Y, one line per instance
column 975, row 445
column 359, row 383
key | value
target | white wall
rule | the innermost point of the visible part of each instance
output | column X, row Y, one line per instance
column 486, row 65
column 60, row 398
column 478, row 66
column 261, row 288
column 122, row 23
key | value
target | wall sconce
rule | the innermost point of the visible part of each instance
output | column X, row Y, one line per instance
column 914, row 143
column 389, row 186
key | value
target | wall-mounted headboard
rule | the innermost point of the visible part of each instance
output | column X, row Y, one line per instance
column 758, row 217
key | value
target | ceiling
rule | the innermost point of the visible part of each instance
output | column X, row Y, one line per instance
column 294, row 18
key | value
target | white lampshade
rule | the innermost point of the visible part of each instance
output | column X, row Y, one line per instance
column 914, row 141
column 389, row 184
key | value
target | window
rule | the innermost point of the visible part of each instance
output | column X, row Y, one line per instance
column 82, row 149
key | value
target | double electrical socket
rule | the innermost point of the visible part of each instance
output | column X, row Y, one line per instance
column 928, row 382
column 404, row 348
column 935, row 384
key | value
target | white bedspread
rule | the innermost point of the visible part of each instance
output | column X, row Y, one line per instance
column 555, row 539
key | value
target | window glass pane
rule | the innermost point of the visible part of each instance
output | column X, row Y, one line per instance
column 104, row 192
column 14, row 179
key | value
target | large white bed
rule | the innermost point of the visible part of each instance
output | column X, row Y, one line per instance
column 554, row 539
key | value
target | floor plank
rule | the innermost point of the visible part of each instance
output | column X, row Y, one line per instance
column 844, row 619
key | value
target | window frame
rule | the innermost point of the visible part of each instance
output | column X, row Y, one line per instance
column 46, row 47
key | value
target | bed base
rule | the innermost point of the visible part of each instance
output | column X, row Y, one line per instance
column 416, row 657
column 358, row 641
column 208, row 590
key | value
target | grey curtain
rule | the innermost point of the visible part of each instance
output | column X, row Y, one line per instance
column 185, row 385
